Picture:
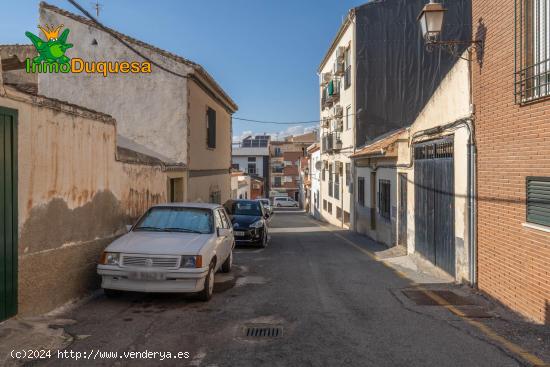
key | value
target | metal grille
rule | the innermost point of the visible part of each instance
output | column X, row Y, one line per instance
column 166, row 262
column 263, row 332
column 532, row 50
column 443, row 149
column 538, row 200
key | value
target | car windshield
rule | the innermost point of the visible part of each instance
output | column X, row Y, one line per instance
column 264, row 201
column 246, row 208
column 176, row 220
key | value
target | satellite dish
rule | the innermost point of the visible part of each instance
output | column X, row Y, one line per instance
column 318, row 165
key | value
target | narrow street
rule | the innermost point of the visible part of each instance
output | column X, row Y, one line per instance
column 335, row 305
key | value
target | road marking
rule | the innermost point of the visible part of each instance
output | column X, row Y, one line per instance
column 491, row 334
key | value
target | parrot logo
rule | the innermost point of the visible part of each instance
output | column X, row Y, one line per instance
column 53, row 49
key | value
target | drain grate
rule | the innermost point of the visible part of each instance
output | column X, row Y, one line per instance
column 263, row 331
column 421, row 298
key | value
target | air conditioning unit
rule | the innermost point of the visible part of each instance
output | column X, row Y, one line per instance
column 336, row 142
column 340, row 52
column 339, row 125
column 339, row 167
column 327, row 77
column 338, row 111
column 338, row 68
column 325, row 123
column 326, row 164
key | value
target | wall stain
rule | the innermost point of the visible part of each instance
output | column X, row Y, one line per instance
column 51, row 225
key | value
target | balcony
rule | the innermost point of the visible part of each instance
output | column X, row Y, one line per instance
column 277, row 169
column 330, row 93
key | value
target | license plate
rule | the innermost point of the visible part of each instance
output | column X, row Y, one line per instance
column 239, row 233
column 139, row 275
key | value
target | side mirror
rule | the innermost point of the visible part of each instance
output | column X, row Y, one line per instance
column 128, row 227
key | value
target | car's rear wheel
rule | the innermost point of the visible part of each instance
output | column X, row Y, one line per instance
column 206, row 293
column 228, row 264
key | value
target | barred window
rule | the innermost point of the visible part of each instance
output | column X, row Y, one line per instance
column 384, row 198
column 532, row 79
column 538, row 200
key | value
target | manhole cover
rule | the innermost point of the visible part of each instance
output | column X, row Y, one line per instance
column 422, row 298
column 263, row 331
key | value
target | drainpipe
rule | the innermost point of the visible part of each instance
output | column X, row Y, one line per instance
column 472, row 231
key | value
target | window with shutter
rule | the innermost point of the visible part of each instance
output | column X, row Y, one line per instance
column 538, row 200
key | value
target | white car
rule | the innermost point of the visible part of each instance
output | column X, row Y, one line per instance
column 172, row 248
column 284, row 201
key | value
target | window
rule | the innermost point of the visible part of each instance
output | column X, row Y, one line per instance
column 324, row 204
column 218, row 219
column 323, row 174
column 346, row 217
column 176, row 219
column 348, row 118
column 348, row 173
column 338, row 212
column 330, row 208
column 337, row 180
column 347, row 68
column 538, row 200
column 532, row 50
column 211, row 128
column 225, row 221
column 384, row 203
column 330, row 181
column 252, row 168
column 252, row 159
column 235, row 166
column 278, row 152
column 277, row 181
column 361, row 191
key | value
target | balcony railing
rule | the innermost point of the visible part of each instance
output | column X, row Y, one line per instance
column 277, row 169
column 337, row 190
column 331, row 142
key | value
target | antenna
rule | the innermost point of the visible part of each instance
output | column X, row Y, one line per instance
column 97, row 6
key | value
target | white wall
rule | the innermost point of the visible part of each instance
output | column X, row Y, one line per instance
column 315, row 185
column 449, row 103
column 150, row 109
column 347, row 98
column 242, row 161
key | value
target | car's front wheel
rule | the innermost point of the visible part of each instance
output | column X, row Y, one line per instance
column 208, row 289
column 111, row 293
column 263, row 243
column 228, row 264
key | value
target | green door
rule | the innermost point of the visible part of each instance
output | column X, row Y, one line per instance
column 8, row 213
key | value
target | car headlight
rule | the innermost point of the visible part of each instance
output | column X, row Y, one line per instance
column 194, row 261
column 257, row 224
column 109, row 258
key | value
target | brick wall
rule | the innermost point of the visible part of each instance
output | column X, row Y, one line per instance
column 513, row 142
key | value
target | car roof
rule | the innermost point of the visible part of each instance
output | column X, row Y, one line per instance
column 189, row 205
column 243, row 200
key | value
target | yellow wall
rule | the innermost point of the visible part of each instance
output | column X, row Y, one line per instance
column 74, row 197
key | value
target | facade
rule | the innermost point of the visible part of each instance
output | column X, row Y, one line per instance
column 512, row 109
column 186, row 119
column 252, row 157
column 305, row 183
column 315, row 163
column 284, row 163
column 337, row 133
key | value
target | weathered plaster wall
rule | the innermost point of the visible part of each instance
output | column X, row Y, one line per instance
column 200, row 188
column 74, row 198
column 150, row 109
column 385, row 231
column 449, row 103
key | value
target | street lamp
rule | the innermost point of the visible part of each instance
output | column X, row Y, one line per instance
column 431, row 22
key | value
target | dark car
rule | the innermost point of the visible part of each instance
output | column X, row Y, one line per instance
column 249, row 219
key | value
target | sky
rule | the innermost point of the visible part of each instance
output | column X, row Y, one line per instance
column 264, row 53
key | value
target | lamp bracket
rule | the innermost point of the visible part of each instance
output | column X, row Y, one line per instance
column 451, row 46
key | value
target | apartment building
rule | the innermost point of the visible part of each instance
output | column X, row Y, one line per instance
column 337, row 130
column 251, row 156
column 512, row 105
column 284, row 164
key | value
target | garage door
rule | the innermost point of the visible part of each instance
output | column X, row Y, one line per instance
column 8, row 213
column 434, row 202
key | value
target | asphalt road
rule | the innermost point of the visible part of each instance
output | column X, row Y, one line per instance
column 335, row 306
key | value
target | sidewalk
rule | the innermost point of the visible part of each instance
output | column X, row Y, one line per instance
column 463, row 306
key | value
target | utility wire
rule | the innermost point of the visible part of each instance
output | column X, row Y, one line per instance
column 118, row 38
